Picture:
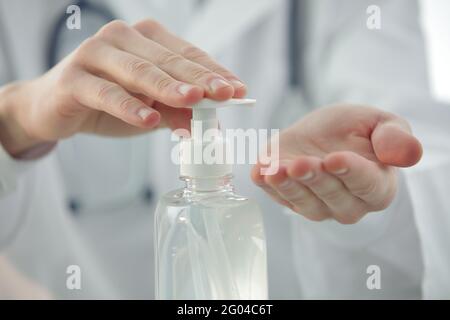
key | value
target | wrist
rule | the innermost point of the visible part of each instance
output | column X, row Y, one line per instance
column 14, row 135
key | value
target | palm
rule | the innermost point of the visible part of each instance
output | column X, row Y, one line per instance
column 329, row 130
column 339, row 162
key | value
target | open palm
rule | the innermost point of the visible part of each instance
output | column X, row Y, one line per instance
column 340, row 162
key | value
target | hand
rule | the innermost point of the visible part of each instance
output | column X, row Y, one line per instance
column 124, row 80
column 340, row 162
column 16, row 285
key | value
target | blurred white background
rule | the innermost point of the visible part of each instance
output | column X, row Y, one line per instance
column 436, row 22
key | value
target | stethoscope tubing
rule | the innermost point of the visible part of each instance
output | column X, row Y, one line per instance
column 52, row 42
column 9, row 69
column 52, row 46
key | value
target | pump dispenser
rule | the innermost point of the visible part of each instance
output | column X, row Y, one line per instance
column 205, row 134
column 209, row 242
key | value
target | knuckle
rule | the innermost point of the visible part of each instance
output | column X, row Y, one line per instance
column 65, row 79
column 311, row 208
column 138, row 68
column 381, row 206
column 311, row 212
column 106, row 91
column 167, row 58
column 385, row 201
column 149, row 27
column 86, row 48
column 366, row 189
column 296, row 209
column 332, row 194
column 296, row 196
column 318, row 216
column 113, row 29
column 193, row 53
column 348, row 218
column 221, row 70
column 163, row 83
column 199, row 73
column 125, row 103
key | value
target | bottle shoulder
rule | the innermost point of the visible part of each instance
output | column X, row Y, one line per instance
column 183, row 197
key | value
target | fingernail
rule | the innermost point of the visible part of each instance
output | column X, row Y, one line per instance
column 217, row 84
column 341, row 171
column 307, row 176
column 185, row 88
column 143, row 113
column 237, row 84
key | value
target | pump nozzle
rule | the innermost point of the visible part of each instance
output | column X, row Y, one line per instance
column 205, row 110
column 192, row 152
column 208, row 103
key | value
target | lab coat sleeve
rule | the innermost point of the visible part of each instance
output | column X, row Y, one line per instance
column 345, row 61
column 10, row 169
column 11, row 216
column 17, row 179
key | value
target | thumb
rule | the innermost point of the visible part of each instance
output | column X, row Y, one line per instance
column 394, row 144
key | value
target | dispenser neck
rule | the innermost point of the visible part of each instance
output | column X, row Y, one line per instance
column 211, row 184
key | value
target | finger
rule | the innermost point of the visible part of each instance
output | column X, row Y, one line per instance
column 258, row 179
column 158, row 33
column 174, row 118
column 302, row 200
column 180, row 68
column 137, row 75
column 102, row 123
column 345, row 207
column 394, row 144
column 105, row 124
column 103, row 95
column 373, row 183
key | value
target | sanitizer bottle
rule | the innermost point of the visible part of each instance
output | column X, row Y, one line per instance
column 209, row 241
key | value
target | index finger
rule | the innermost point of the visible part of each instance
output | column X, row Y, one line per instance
column 372, row 182
column 156, row 32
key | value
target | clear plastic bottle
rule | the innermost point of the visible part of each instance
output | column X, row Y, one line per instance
column 210, row 242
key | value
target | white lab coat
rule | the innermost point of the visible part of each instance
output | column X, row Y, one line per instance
column 111, row 236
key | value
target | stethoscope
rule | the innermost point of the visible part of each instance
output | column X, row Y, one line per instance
column 60, row 31
column 100, row 15
column 10, row 74
column 105, row 15
column 61, row 41
column 97, row 15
